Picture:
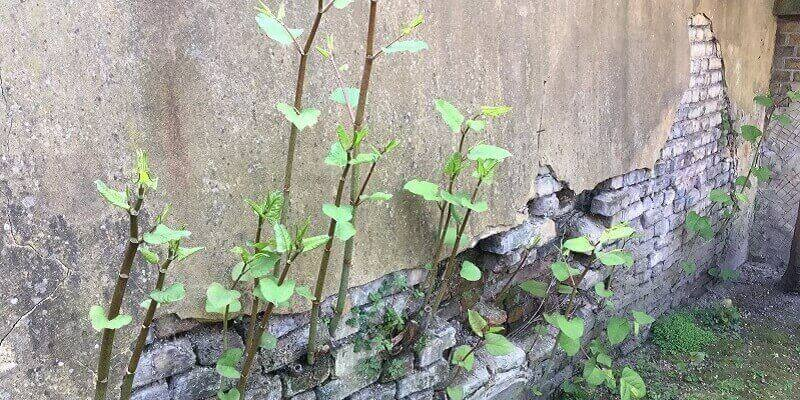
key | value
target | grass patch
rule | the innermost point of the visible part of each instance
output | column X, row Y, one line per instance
column 678, row 334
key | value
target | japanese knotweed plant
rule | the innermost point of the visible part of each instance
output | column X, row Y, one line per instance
column 577, row 255
column 455, row 207
column 131, row 201
column 733, row 200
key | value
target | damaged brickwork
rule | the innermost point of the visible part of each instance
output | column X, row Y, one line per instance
column 776, row 205
column 179, row 360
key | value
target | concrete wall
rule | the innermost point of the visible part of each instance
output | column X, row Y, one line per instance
column 85, row 83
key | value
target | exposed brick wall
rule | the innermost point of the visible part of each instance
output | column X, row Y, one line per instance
column 178, row 363
column 776, row 205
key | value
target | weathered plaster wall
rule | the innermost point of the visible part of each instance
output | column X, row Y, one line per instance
column 84, row 83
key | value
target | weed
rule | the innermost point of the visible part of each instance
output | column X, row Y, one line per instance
column 678, row 334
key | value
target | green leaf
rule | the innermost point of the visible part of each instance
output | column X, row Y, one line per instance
column 304, row 292
column 232, row 394
column 763, row 174
column 454, row 165
column 450, row 238
column 457, row 199
column 476, row 125
column 604, row 359
column 579, row 245
column 364, row 158
column 562, row 271
column 377, row 196
column 751, row 133
column 283, row 240
column 274, row 293
column 411, row 46
column 143, row 171
column 477, row 322
column 487, row 152
column 311, row 243
column 217, row 298
column 226, row 364
column 464, row 357
column 174, row 293
column 497, row 345
column 337, row 155
column 784, row 119
column 150, row 256
column 273, row 206
column 495, row 111
column 455, row 392
column 689, row 267
column 743, row 181
column 617, row 330
column 450, row 114
column 268, row 341
column 764, row 100
column 275, row 30
column 340, row 4
column 615, row 257
column 592, row 374
column 600, row 289
column 631, row 385
column 569, row 345
column 113, row 197
column 97, row 316
column 478, row 206
column 344, row 231
column 339, row 213
column 427, row 190
column 720, row 196
column 262, row 264
column 700, row 225
column 573, row 328
column 640, row 319
column 306, row 118
column 163, row 234
column 534, row 288
column 470, row 271
column 183, row 252
column 338, row 96
column 617, row 232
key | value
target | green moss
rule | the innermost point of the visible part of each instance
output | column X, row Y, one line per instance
column 678, row 334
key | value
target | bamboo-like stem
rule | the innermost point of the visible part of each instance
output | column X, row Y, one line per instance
column 107, row 343
column 323, row 268
column 133, row 363
column 256, row 281
column 355, row 178
column 251, row 345
column 449, row 267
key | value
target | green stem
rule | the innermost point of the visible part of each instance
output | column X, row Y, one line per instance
column 133, row 363
column 355, row 178
column 107, row 343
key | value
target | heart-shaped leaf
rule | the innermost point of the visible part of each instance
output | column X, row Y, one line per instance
column 268, row 341
column 617, row 329
column 306, row 118
column 579, row 245
column 338, row 213
column 600, row 289
column 534, row 288
column 173, row 293
column 232, row 394
column 163, row 234
column 218, row 297
column 344, row 231
column 274, row 293
column 631, row 385
column 427, row 190
column 351, row 94
column 497, row 345
column 97, row 316
column 455, row 392
column 226, row 364
column 464, row 357
column 275, row 30
column 470, row 271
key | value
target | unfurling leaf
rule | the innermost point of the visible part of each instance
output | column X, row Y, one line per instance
column 450, row 114
column 273, row 28
column 495, row 111
column 163, row 234
column 150, row 256
column 454, row 165
column 97, row 316
column 476, row 125
column 377, row 196
column 174, row 293
column 283, row 239
column 311, row 243
column 143, row 171
column 470, row 271
column 113, row 197
column 336, row 155
column 427, row 190
column 226, row 364
column 487, row 152
column 302, row 120
column 411, row 46
column 477, row 322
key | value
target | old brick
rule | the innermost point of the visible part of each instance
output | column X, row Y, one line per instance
column 306, row 377
column 422, row 380
column 164, row 359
